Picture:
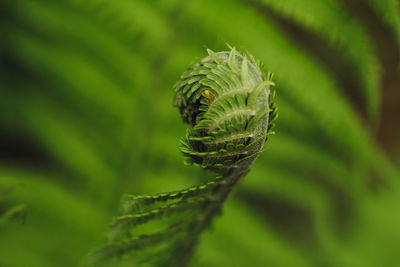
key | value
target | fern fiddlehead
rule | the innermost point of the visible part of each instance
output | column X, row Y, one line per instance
column 227, row 103
column 225, row 100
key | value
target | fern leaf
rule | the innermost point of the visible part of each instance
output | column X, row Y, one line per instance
column 330, row 20
column 388, row 10
column 240, row 137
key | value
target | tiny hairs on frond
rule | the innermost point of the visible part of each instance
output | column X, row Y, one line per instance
column 226, row 99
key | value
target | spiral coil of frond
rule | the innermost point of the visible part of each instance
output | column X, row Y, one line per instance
column 226, row 100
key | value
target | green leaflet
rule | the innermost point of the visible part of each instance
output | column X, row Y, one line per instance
column 333, row 23
column 389, row 12
column 132, row 203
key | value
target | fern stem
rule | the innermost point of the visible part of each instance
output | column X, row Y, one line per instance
column 205, row 218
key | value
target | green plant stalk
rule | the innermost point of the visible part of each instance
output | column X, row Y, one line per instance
column 205, row 218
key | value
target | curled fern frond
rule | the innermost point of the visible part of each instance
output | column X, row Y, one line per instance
column 227, row 102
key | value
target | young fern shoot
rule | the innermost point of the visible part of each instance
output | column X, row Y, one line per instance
column 227, row 103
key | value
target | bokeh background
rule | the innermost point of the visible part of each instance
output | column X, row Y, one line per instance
column 86, row 115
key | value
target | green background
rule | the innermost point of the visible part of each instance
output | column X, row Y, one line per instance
column 86, row 116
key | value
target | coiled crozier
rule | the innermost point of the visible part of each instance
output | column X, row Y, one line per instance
column 226, row 101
